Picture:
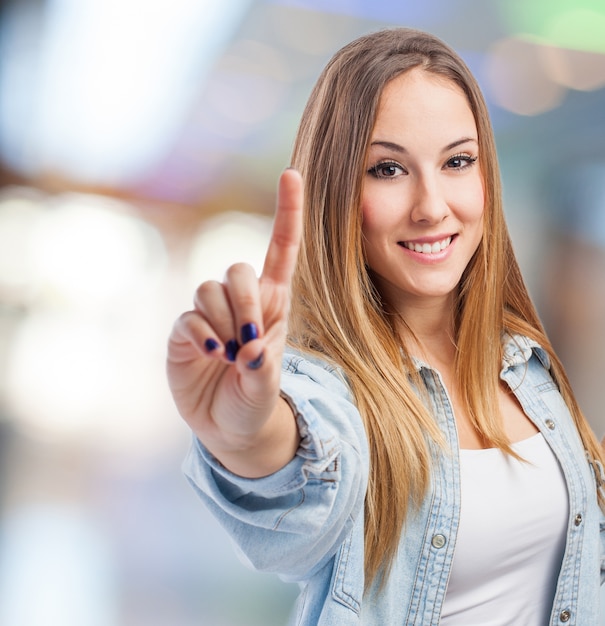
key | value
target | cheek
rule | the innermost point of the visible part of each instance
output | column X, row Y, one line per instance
column 372, row 230
column 472, row 204
column 377, row 215
column 368, row 218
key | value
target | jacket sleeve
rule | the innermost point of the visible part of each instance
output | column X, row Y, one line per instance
column 293, row 521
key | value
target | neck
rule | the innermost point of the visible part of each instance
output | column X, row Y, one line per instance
column 428, row 332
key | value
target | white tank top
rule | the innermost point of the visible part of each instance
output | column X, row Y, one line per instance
column 511, row 537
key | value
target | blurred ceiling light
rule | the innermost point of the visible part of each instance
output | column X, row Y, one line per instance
column 73, row 376
column 58, row 376
column 575, row 69
column 20, row 213
column 98, row 89
column 516, row 78
column 225, row 239
column 88, row 250
column 87, row 361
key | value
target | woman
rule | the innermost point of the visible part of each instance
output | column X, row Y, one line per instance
column 419, row 458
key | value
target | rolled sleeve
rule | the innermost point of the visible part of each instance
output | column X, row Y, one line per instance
column 292, row 521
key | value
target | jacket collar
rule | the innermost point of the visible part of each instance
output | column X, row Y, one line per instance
column 518, row 350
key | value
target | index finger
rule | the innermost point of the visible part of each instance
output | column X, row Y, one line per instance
column 287, row 229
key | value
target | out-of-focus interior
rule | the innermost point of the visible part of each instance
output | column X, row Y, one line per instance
column 140, row 145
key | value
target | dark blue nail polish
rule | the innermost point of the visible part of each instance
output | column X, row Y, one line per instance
column 210, row 344
column 231, row 349
column 249, row 332
column 254, row 365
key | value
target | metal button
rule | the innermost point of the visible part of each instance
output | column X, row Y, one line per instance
column 578, row 519
column 565, row 616
column 438, row 541
column 550, row 424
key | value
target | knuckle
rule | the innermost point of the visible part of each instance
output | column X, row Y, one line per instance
column 207, row 289
column 239, row 270
column 188, row 320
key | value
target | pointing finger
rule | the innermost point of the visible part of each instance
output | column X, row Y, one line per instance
column 287, row 229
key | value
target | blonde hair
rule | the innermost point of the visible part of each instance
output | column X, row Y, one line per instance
column 338, row 313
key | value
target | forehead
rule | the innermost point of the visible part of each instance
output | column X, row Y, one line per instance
column 423, row 99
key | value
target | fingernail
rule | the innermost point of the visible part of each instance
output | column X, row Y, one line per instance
column 249, row 332
column 210, row 344
column 231, row 349
column 254, row 365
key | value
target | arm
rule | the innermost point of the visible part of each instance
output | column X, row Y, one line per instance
column 286, row 479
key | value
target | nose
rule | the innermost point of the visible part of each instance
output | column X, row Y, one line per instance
column 429, row 205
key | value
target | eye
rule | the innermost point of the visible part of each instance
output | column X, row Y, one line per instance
column 386, row 169
column 460, row 161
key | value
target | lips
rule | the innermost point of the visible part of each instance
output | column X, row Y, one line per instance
column 427, row 248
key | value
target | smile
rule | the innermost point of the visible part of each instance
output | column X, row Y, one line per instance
column 428, row 248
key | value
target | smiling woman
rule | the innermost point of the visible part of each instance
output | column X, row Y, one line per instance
column 345, row 405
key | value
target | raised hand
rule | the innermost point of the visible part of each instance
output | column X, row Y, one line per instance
column 224, row 356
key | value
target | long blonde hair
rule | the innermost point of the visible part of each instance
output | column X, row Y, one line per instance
column 337, row 311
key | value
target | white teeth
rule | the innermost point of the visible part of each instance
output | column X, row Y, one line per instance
column 427, row 248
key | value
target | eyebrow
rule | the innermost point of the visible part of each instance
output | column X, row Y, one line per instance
column 390, row 145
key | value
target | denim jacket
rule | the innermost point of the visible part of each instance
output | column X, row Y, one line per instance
column 306, row 521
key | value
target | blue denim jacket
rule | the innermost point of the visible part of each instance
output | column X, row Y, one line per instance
column 305, row 522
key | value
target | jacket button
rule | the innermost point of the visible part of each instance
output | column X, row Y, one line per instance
column 578, row 519
column 438, row 541
column 550, row 424
column 565, row 616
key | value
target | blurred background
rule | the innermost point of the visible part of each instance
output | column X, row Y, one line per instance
column 140, row 144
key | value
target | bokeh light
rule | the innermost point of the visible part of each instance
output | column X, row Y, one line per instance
column 110, row 80
column 88, row 250
column 21, row 210
column 516, row 78
column 573, row 24
column 575, row 69
column 225, row 239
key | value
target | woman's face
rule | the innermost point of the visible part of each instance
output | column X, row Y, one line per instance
column 423, row 198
